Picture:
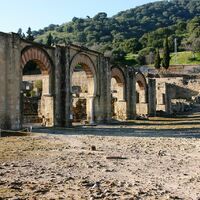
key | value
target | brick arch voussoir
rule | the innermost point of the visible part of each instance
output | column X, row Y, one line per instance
column 141, row 80
column 118, row 75
column 39, row 56
column 86, row 62
column 89, row 68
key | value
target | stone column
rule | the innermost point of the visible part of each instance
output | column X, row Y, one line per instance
column 58, row 66
column 108, row 91
column 13, row 82
column 90, row 109
column 134, row 96
column 168, row 100
column 103, row 98
column 129, row 92
column 152, row 97
column 45, row 85
column 68, row 94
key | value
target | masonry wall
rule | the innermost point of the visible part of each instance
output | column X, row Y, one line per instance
column 152, row 97
column 57, row 98
column 181, row 87
column 10, row 84
column 11, row 47
column 3, row 77
column 103, row 101
column 175, row 89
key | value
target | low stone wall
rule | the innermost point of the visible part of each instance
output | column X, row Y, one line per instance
column 142, row 108
column 47, row 110
column 120, row 110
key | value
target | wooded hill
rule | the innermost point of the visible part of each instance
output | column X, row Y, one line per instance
column 136, row 31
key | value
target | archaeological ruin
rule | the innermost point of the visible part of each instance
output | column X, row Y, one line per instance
column 61, row 85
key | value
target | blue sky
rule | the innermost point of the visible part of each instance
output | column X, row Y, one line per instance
column 40, row 13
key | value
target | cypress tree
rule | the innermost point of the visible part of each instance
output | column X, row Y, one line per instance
column 157, row 60
column 166, row 54
column 29, row 35
column 20, row 33
column 49, row 40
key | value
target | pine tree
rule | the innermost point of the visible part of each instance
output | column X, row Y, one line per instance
column 49, row 40
column 157, row 60
column 29, row 35
column 166, row 54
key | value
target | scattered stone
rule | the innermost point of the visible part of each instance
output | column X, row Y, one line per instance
column 162, row 153
column 93, row 148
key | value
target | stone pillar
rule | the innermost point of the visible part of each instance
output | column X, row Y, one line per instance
column 108, row 91
column 58, row 84
column 13, row 81
column 68, row 94
column 130, row 93
column 121, row 109
column 142, row 96
column 152, row 97
column 90, row 109
column 134, row 96
column 47, row 110
column 45, row 85
column 168, row 103
column 103, row 98
column 3, row 81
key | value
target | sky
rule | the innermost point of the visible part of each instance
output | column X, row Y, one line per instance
column 38, row 14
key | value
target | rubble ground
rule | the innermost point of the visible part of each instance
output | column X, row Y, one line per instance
column 44, row 166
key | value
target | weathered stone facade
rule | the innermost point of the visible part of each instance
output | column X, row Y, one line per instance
column 175, row 94
column 57, row 65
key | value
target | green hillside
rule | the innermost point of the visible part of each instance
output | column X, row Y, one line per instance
column 135, row 31
column 186, row 58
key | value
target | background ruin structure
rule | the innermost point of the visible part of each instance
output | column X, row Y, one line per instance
column 111, row 92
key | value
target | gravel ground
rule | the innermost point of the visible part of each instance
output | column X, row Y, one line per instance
column 90, row 167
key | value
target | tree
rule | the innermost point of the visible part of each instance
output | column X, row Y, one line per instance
column 49, row 40
column 157, row 60
column 131, row 45
column 20, row 33
column 166, row 54
column 29, row 34
column 196, row 45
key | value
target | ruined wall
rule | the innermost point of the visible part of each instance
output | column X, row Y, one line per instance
column 173, row 93
column 3, row 77
column 142, row 108
column 181, row 88
column 161, row 95
column 103, row 100
column 152, row 97
column 98, row 103
column 193, row 85
column 11, row 47
column 57, row 94
column 10, row 81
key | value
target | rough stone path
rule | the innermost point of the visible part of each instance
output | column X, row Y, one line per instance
column 65, row 167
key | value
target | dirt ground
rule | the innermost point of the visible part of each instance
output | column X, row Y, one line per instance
column 88, row 167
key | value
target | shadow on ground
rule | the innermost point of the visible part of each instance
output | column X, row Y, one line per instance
column 185, row 126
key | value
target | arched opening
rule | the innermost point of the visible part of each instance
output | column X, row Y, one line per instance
column 141, row 95
column 83, row 90
column 36, row 100
column 118, row 102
